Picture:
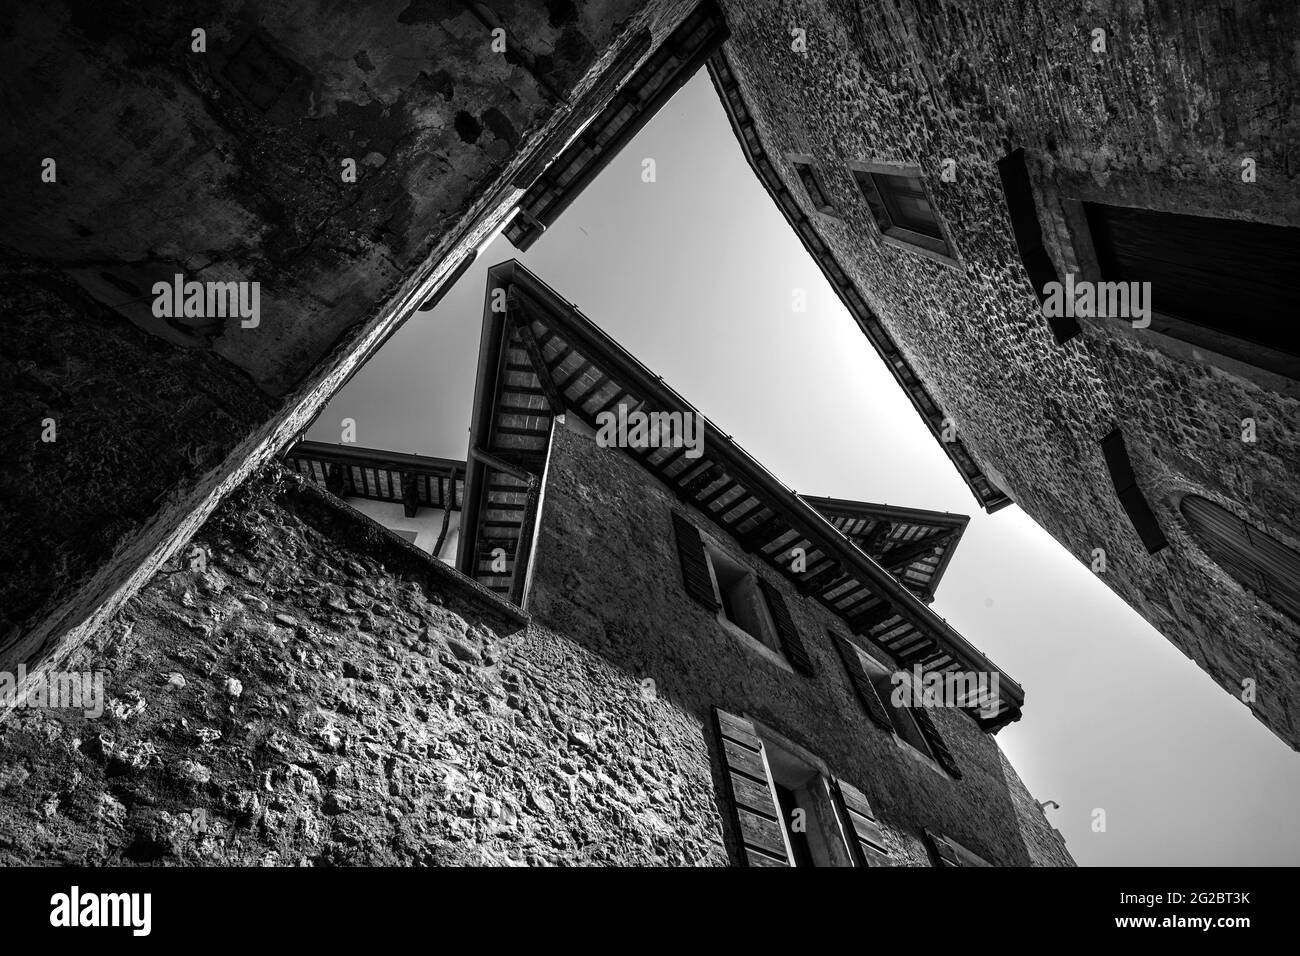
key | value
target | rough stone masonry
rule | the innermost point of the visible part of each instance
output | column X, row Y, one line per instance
column 321, row 693
column 1161, row 119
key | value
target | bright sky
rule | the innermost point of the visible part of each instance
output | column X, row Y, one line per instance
column 694, row 275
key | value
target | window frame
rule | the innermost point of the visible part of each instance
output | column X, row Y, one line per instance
column 829, row 210
column 818, row 782
column 942, row 250
column 878, row 673
column 768, row 644
column 871, row 664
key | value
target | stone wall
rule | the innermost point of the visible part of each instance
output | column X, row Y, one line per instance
column 312, row 690
column 326, row 694
column 607, row 576
column 1162, row 119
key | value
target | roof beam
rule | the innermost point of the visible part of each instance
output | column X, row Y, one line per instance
column 410, row 494
column 519, row 315
column 582, row 369
column 820, row 582
column 869, row 619
column 761, row 535
column 585, row 396
column 904, row 554
column 492, row 461
column 711, row 473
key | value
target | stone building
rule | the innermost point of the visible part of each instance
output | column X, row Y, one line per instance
column 945, row 165
column 652, row 653
column 948, row 165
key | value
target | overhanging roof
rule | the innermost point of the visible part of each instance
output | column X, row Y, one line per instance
column 652, row 85
column 541, row 357
column 913, row 544
column 417, row 481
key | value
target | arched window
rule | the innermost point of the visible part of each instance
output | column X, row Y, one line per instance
column 1258, row 561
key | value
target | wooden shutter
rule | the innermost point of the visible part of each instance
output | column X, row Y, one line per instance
column 871, row 701
column 752, row 797
column 1023, row 213
column 791, row 642
column 943, row 850
column 695, row 565
column 1230, row 275
column 866, row 842
column 1255, row 558
column 932, row 736
column 1130, row 495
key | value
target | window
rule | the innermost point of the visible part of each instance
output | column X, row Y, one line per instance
column 906, row 205
column 1224, row 284
column 738, row 593
column 901, row 208
column 904, row 721
column 1258, row 561
column 1130, row 495
column 751, row 606
column 805, row 169
column 786, row 807
column 807, row 813
column 912, row 727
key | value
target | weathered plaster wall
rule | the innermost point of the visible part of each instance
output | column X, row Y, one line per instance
column 608, row 577
column 226, row 165
column 1162, row 119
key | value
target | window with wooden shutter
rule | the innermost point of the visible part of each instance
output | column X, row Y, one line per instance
column 791, row 643
column 1228, row 276
column 752, row 608
column 932, row 737
column 866, row 841
column 695, row 566
column 862, row 684
column 1256, row 559
column 752, row 796
column 1130, row 495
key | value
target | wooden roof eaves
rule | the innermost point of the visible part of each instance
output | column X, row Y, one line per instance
column 589, row 340
column 374, row 458
column 834, row 507
column 868, row 509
